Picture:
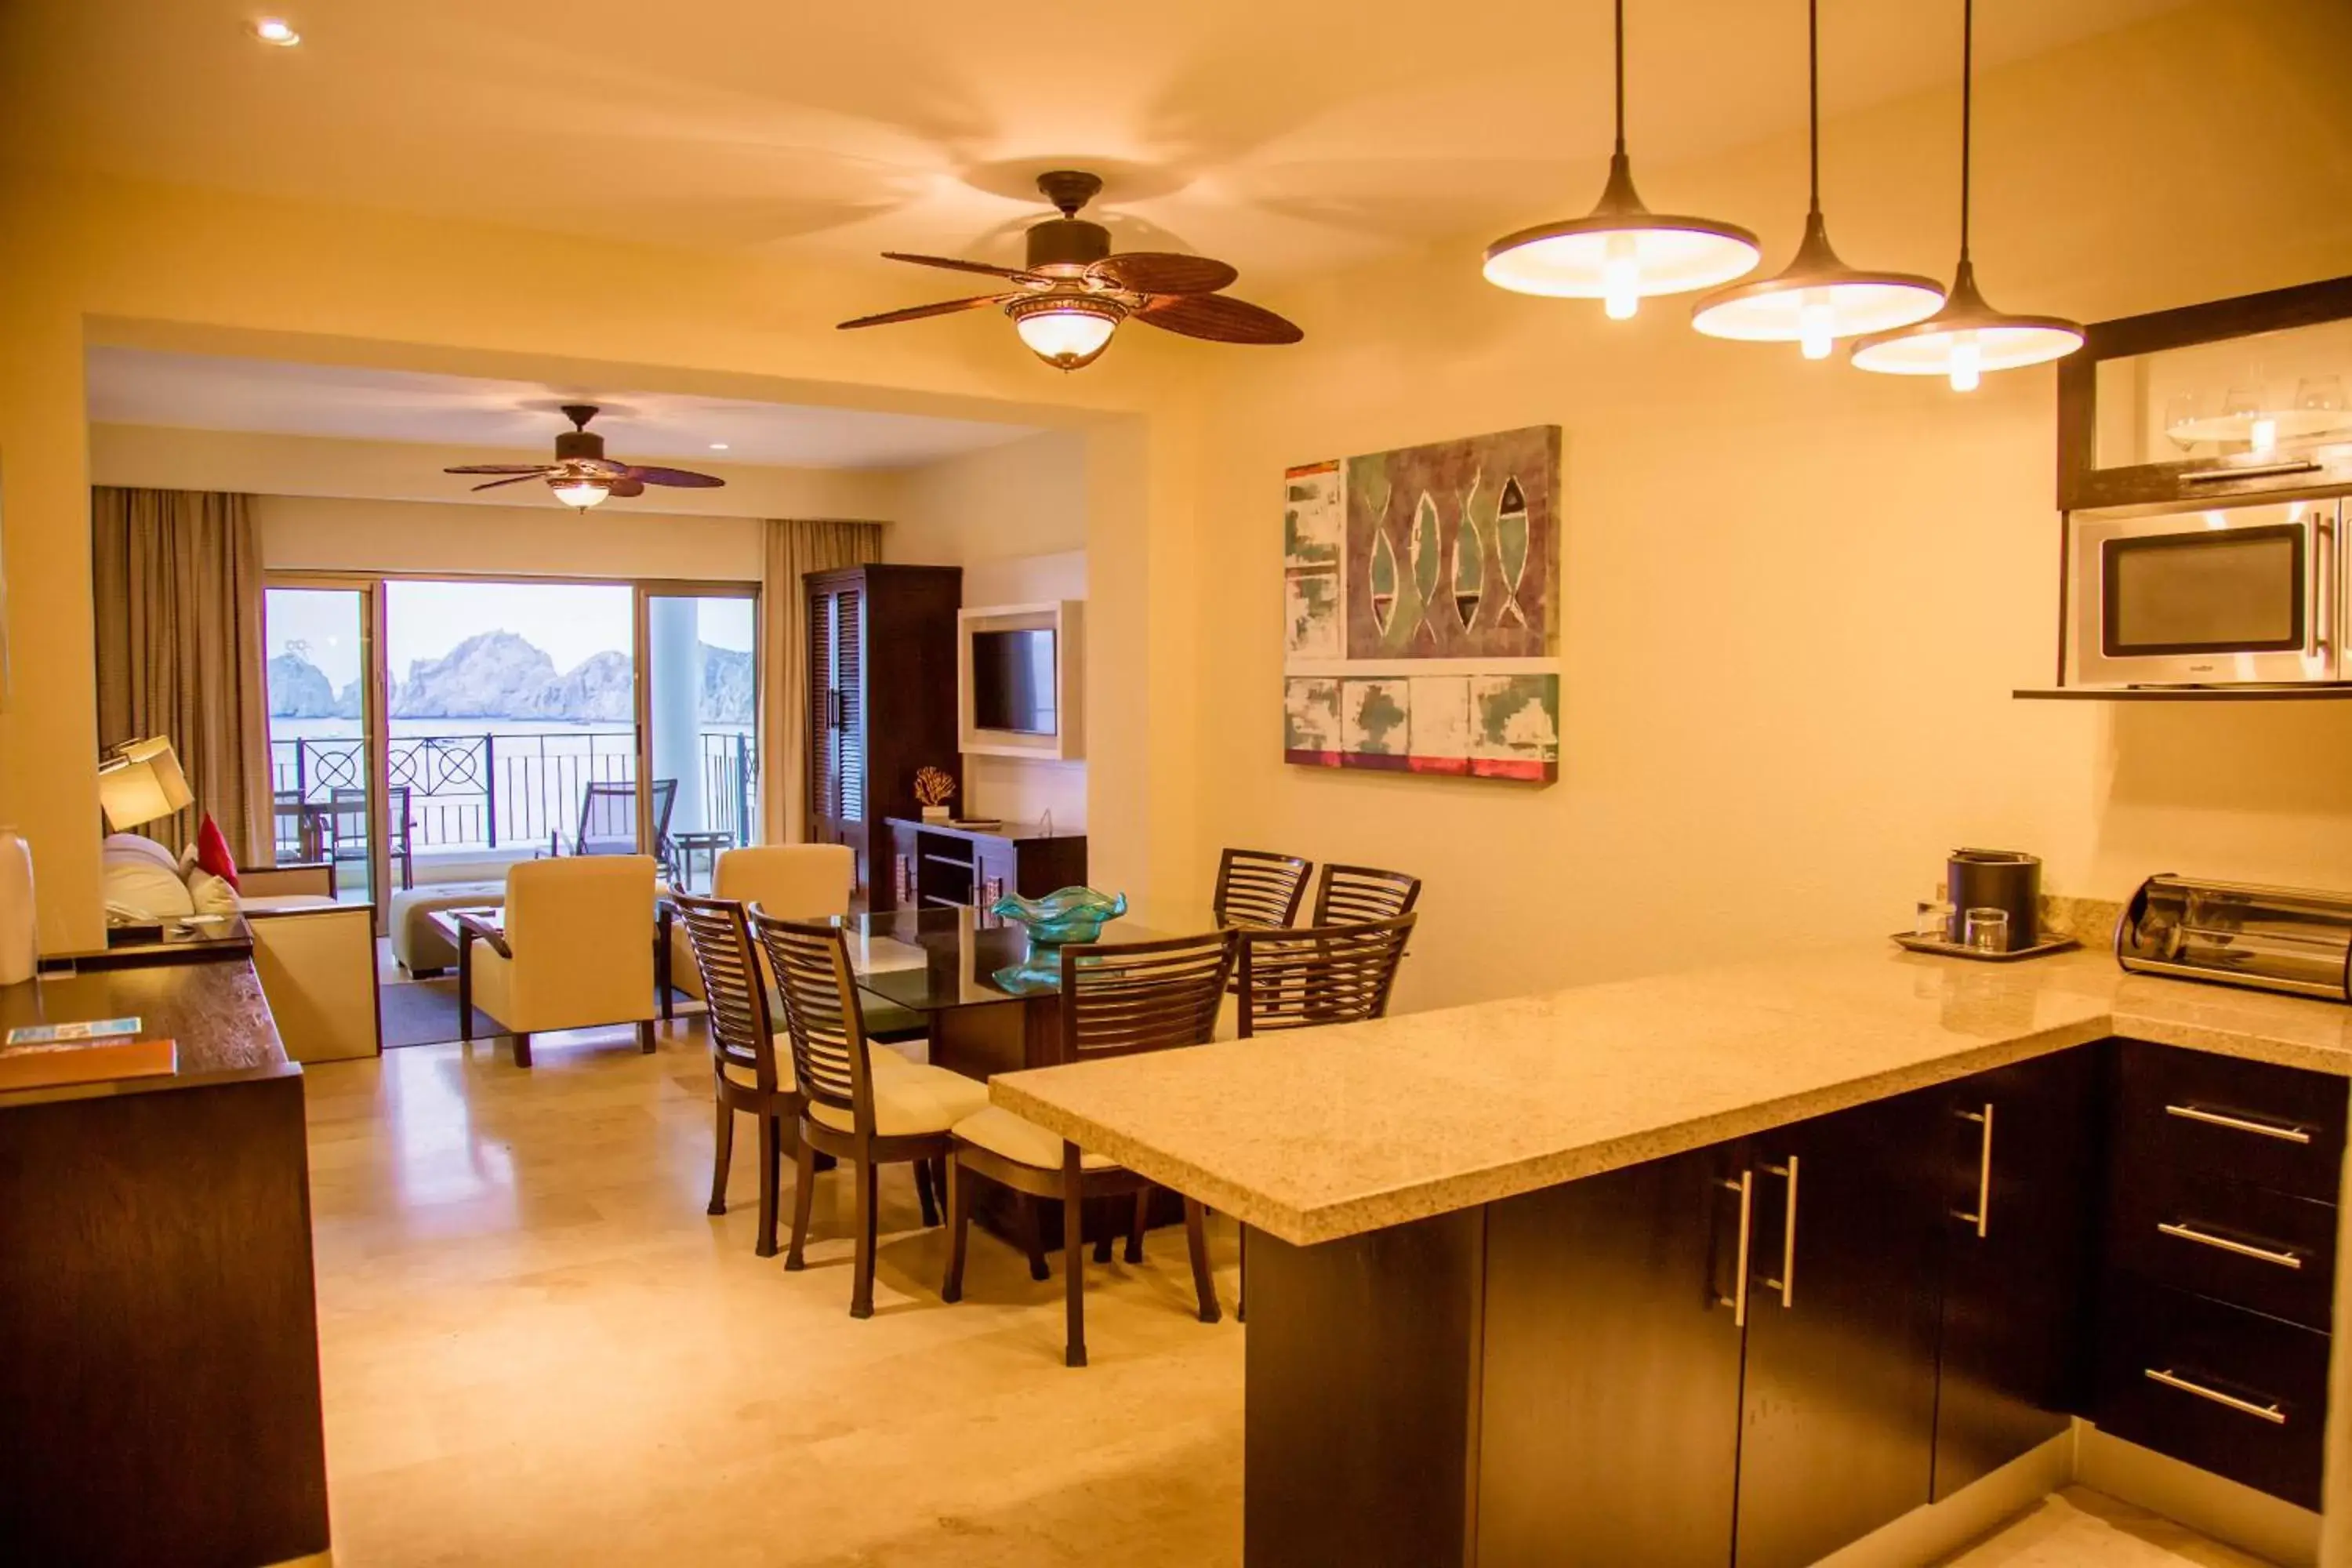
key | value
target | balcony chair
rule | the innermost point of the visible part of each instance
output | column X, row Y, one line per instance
column 577, row 950
column 347, row 831
column 862, row 1114
column 1117, row 999
column 608, row 822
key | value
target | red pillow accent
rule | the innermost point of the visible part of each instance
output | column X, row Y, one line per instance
column 212, row 851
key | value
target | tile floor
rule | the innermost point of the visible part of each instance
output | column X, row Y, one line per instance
column 538, row 1349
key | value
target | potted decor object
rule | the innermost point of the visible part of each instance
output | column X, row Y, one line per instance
column 934, row 788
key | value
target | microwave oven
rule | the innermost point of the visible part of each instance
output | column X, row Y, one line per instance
column 2246, row 595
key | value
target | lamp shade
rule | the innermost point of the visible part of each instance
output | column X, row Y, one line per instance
column 141, row 781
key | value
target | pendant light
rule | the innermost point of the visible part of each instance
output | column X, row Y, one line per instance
column 1818, row 297
column 1967, row 337
column 1620, row 250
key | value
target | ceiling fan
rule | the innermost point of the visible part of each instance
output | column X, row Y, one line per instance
column 582, row 476
column 1071, row 298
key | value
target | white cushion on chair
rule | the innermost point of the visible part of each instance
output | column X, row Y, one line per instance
column 1020, row 1140
column 909, row 1101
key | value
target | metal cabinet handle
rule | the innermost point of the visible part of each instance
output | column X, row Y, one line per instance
column 1787, row 1284
column 2284, row 1134
column 2243, row 1250
column 1737, row 1300
column 1982, row 1219
column 2170, row 1379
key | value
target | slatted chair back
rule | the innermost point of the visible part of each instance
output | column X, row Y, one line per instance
column 1314, row 975
column 821, row 1017
column 743, row 1035
column 1121, row 997
column 1258, row 889
column 1345, row 895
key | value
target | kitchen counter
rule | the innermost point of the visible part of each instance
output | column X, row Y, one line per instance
column 1326, row 1133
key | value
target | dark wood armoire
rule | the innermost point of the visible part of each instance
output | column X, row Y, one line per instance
column 882, row 699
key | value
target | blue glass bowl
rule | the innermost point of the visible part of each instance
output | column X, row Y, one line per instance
column 1064, row 915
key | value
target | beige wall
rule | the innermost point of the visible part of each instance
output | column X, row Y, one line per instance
column 1014, row 517
column 316, row 533
column 1798, row 597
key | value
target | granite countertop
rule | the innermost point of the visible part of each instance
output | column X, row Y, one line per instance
column 1323, row 1134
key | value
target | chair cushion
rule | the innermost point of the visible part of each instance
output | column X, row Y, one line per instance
column 916, row 1100
column 1020, row 1140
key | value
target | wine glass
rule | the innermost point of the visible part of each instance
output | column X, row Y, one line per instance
column 2315, row 398
column 2179, row 414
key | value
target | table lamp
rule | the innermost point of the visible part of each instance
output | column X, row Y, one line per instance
column 141, row 781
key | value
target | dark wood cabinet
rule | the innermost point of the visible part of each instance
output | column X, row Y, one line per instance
column 933, row 863
column 2020, row 1193
column 1838, row 1400
column 882, row 698
column 1611, row 1432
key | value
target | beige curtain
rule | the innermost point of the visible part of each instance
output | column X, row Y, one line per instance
column 795, row 548
column 176, row 576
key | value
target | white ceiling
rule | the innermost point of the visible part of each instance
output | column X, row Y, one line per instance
column 140, row 386
column 1305, row 133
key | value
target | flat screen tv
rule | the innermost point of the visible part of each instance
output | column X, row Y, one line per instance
column 1013, row 681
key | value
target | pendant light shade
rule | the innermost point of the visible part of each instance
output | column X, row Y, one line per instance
column 1817, row 299
column 1621, row 251
column 1967, row 337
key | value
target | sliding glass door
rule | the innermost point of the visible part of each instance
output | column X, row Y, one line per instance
column 325, row 736
column 434, row 731
column 700, row 724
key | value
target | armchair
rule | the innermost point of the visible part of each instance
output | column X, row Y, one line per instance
column 576, row 949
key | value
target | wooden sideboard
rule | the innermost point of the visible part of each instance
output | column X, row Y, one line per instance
column 933, row 864
column 161, row 1370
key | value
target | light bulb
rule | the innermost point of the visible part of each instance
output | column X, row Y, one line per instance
column 1967, row 362
column 1066, row 339
column 276, row 31
column 581, row 493
column 1620, row 278
column 2264, row 433
column 1815, row 318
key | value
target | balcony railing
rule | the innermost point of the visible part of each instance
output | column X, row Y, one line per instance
column 494, row 790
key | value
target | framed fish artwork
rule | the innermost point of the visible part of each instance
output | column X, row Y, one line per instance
column 1422, row 592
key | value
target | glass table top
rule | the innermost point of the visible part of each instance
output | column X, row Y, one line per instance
column 927, row 960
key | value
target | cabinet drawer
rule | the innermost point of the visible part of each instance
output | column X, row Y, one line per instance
column 2268, row 1126
column 2248, row 1246
column 2224, row 1389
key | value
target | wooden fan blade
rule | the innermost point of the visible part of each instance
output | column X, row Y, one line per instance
column 518, row 478
column 685, row 479
column 624, row 487
column 952, row 264
column 944, row 307
column 1218, row 317
column 1163, row 272
column 498, row 468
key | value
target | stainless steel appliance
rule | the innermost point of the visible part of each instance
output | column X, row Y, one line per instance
column 2275, row 938
column 2247, row 596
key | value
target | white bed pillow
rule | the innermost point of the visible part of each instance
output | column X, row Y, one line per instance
column 137, row 884
column 211, row 895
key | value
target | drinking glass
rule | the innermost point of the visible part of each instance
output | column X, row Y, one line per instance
column 1933, row 922
column 2180, row 412
column 1987, row 929
column 2315, row 398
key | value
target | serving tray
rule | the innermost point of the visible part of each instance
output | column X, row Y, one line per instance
column 2042, row 949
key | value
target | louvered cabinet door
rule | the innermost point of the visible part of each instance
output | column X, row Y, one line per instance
column 849, row 696
column 823, row 748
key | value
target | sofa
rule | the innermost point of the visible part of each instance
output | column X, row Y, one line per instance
column 316, row 956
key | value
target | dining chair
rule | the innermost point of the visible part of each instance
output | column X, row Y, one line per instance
column 1346, row 894
column 1117, row 999
column 747, row 1074
column 1258, row 889
column 1310, row 976
column 849, row 1108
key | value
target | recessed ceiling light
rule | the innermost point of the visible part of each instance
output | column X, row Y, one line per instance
column 719, row 445
column 276, row 31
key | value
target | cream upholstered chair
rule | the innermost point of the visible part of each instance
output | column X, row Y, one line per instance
column 795, row 881
column 578, row 949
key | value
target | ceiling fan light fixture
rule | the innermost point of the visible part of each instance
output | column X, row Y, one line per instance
column 276, row 31
column 1967, row 337
column 581, row 492
column 1068, row 331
